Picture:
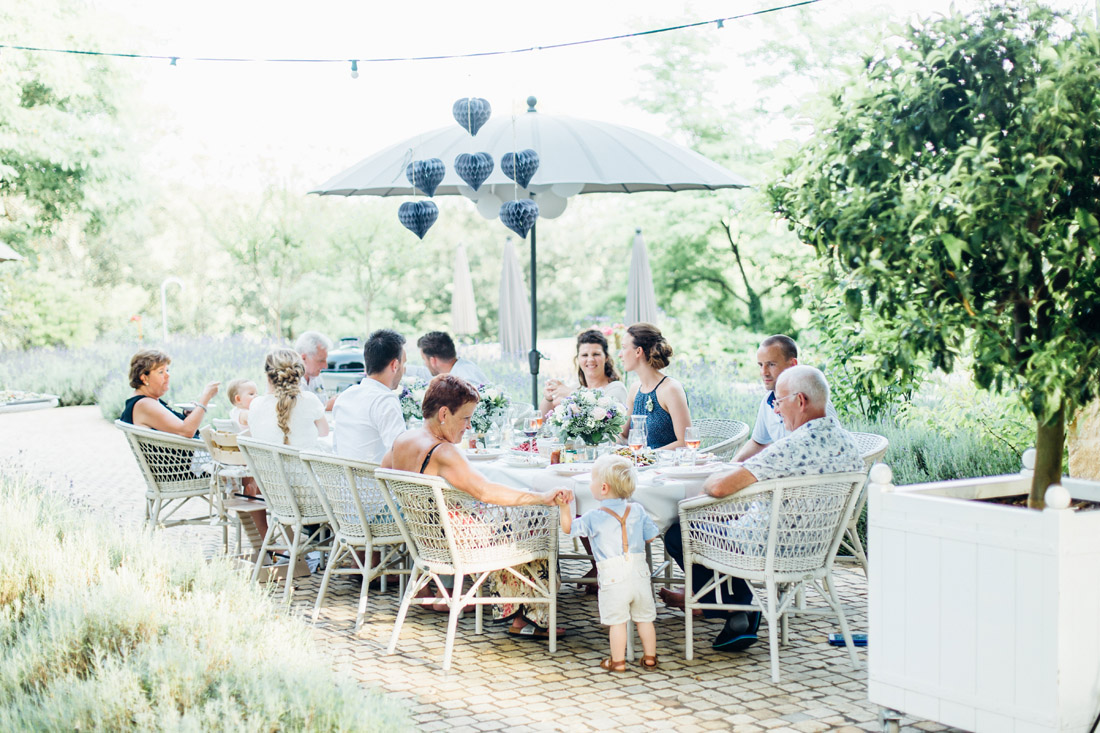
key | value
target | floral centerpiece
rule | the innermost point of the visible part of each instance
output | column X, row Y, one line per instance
column 411, row 396
column 492, row 405
column 590, row 415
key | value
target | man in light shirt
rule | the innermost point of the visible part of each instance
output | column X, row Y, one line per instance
column 438, row 351
column 368, row 415
column 815, row 443
column 313, row 348
column 776, row 354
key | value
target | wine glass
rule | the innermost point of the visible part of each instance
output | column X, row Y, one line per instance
column 530, row 429
column 692, row 439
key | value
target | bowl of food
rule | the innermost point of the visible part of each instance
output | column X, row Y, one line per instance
column 642, row 459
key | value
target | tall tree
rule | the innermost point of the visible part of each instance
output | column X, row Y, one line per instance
column 953, row 182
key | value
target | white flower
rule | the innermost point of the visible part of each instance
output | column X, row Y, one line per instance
column 493, row 393
column 418, row 394
column 599, row 413
column 604, row 402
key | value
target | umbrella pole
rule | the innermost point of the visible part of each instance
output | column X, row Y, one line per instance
column 533, row 355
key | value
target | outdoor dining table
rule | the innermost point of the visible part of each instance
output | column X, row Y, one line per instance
column 656, row 491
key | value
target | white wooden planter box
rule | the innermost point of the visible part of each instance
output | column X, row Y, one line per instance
column 982, row 616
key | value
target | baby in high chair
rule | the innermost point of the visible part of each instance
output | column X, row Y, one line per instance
column 240, row 392
column 619, row 530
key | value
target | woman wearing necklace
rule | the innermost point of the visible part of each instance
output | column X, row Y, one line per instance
column 660, row 398
column 595, row 370
column 448, row 404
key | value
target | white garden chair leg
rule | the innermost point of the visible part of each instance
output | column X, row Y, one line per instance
column 416, row 581
column 336, row 556
column 773, row 628
column 364, row 589
column 288, row 589
column 452, row 620
column 552, row 580
column 834, row 601
column 268, row 536
column 688, row 652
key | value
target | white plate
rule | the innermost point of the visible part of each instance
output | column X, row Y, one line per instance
column 689, row 472
column 571, row 469
column 483, row 454
column 531, row 460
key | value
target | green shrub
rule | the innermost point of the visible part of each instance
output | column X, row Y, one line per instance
column 111, row 631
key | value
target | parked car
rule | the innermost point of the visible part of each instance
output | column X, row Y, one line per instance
column 345, row 366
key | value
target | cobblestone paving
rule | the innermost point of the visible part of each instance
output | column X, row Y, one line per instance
column 497, row 682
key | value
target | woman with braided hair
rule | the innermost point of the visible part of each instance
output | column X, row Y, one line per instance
column 286, row 415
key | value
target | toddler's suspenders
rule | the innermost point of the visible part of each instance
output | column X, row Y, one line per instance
column 622, row 524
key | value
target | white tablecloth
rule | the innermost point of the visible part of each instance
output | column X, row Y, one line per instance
column 659, row 496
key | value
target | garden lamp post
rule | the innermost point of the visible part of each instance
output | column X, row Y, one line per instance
column 164, row 302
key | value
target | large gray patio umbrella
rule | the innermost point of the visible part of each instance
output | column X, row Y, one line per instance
column 575, row 156
column 515, row 316
column 641, row 301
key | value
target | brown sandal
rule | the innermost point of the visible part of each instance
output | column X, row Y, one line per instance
column 649, row 662
column 611, row 665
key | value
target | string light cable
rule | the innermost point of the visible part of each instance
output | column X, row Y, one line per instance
column 173, row 59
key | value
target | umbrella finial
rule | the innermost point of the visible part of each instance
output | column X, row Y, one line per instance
column 531, row 102
column 638, row 230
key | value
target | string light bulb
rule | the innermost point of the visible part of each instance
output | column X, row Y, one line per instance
column 354, row 69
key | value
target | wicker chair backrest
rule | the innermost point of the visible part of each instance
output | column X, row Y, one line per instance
column 872, row 447
column 351, row 496
column 787, row 525
column 450, row 528
column 170, row 463
column 284, row 482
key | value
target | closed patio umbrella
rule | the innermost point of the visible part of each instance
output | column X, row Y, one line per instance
column 7, row 253
column 641, row 302
column 575, row 156
column 515, row 318
column 463, row 307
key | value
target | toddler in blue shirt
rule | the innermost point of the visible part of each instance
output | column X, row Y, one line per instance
column 619, row 531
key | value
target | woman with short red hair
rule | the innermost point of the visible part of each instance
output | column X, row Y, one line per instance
column 447, row 407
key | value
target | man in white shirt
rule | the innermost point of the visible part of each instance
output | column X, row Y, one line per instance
column 313, row 348
column 368, row 415
column 776, row 354
column 438, row 351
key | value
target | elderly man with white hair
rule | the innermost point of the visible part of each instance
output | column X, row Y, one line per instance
column 313, row 347
column 815, row 444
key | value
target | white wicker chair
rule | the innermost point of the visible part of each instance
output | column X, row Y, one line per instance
column 781, row 534
column 361, row 522
column 175, row 471
column 871, row 447
column 292, row 501
column 449, row 533
column 723, row 438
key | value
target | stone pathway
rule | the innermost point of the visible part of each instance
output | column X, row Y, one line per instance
column 497, row 682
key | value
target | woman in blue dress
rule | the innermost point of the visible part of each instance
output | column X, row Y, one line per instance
column 660, row 398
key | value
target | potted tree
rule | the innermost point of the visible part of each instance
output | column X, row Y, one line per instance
column 953, row 187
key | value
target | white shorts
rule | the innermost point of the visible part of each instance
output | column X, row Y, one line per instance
column 626, row 591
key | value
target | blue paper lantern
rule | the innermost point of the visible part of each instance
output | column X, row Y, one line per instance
column 471, row 113
column 519, row 216
column 418, row 216
column 426, row 174
column 521, row 166
column 474, row 168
